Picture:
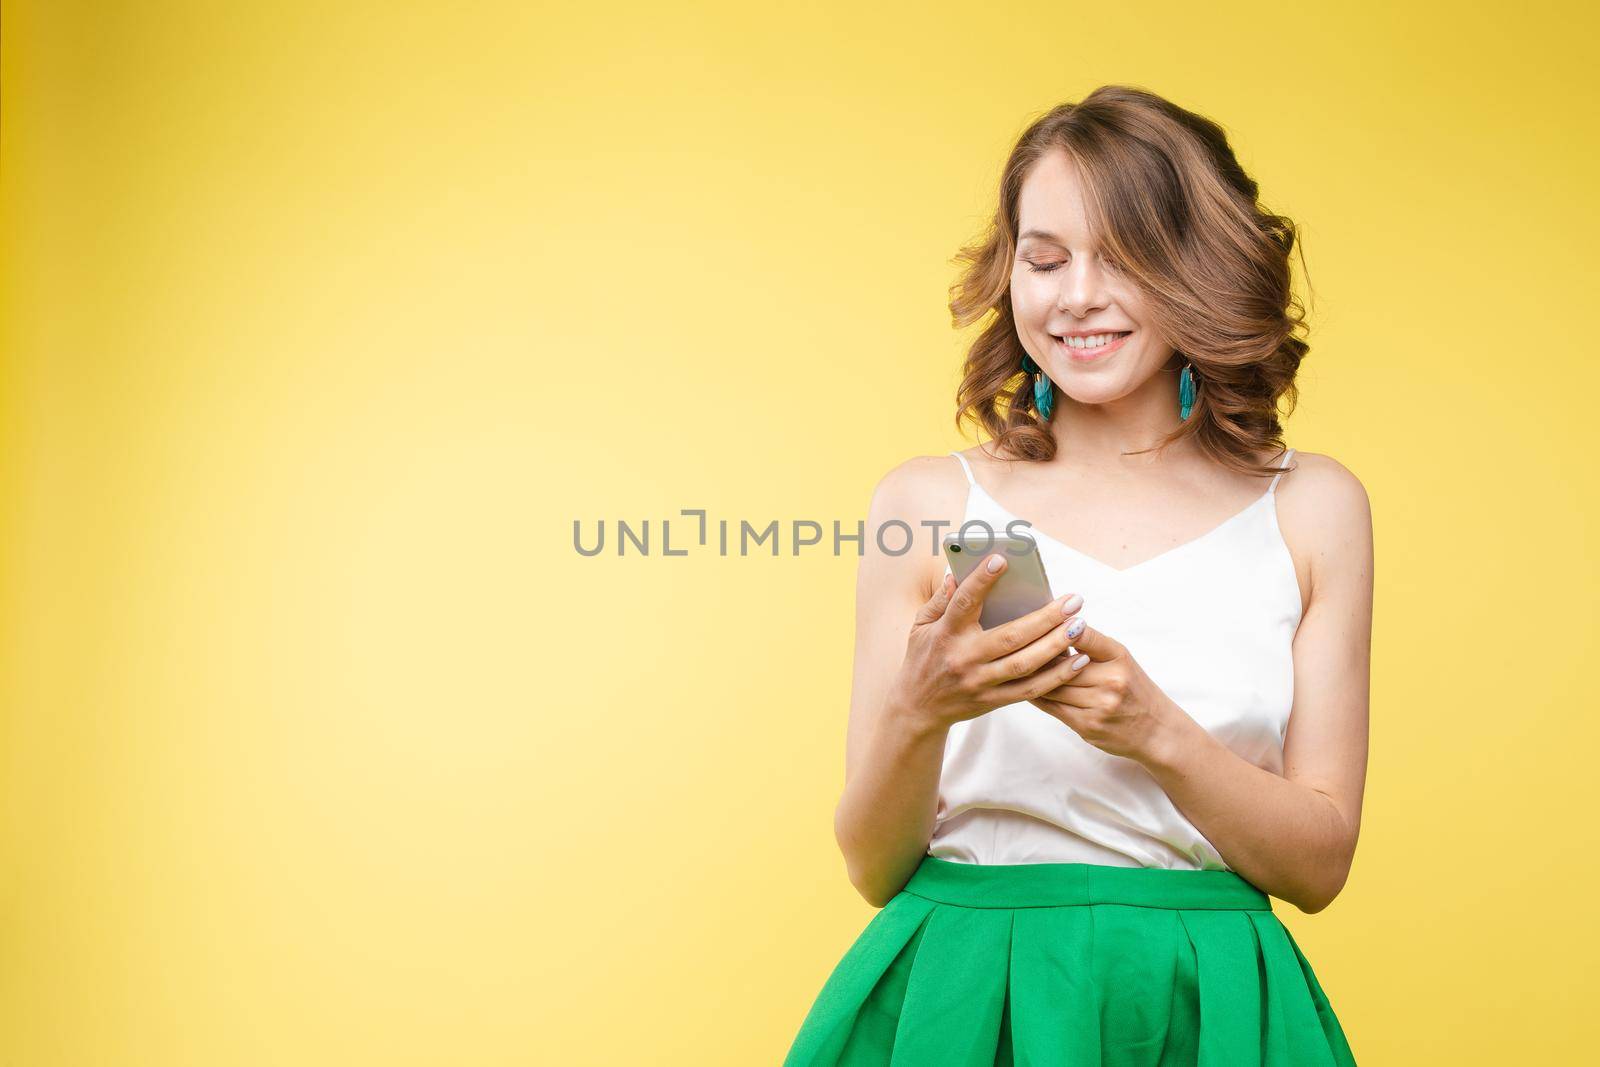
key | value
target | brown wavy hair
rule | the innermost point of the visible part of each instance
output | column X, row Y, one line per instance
column 1169, row 204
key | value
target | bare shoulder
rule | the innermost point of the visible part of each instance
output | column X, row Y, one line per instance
column 908, row 503
column 920, row 488
column 1326, row 518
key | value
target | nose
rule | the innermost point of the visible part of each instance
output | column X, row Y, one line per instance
column 1082, row 287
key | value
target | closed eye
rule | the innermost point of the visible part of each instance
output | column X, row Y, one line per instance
column 1046, row 268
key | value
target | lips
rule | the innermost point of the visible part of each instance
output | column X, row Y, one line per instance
column 1089, row 355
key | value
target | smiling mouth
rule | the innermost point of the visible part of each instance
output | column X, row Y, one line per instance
column 1087, row 348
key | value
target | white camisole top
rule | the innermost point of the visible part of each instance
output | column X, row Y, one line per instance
column 1211, row 621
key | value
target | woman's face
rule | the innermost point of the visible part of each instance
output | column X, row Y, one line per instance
column 1063, row 289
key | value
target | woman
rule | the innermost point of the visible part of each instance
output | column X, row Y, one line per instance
column 1073, row 822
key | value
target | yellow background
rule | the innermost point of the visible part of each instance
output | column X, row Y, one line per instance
column 323, row 322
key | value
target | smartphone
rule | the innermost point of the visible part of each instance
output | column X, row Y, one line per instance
column 1022, row 586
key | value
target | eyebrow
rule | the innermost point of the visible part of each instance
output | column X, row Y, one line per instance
column 1039, row 233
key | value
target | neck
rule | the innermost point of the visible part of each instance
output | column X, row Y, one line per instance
column 1093, row 437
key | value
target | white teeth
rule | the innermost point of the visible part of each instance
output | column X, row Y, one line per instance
column 1097, row 341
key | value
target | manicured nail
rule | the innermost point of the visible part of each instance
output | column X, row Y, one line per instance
column 1078, row 663
column 1075, row 627
column 1074, row 602
column 995, row 563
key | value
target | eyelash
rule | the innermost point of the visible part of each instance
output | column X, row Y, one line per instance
column 1035, row 268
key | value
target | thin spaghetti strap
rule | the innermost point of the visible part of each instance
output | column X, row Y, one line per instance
column 1274, row 485
column 965, row 467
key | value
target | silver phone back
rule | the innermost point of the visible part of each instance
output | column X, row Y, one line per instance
column 1024, row 586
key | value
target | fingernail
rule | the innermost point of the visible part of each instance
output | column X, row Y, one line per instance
column 1074, row 602
column 1075, row 627
column 1078, row 663
column 995, row 563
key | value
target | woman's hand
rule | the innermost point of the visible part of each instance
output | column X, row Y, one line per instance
column 1111, row 703
column 955, row 670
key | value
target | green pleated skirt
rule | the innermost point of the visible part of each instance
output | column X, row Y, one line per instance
column 1070, row 965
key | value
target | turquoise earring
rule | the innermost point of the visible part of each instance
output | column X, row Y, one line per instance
column 1186, row 391
column 1043, row 392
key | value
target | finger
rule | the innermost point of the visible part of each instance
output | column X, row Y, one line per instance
column 1101, row 647
column 1055, row 709
column 1075, row 691
column 967, row 602
column 1041, row 649
column 1053, row 676
column 933, row 609
column 1004, row 641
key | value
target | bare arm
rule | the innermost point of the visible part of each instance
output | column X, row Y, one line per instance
column 1295, row 836
column 922, row 663
column 884, row 819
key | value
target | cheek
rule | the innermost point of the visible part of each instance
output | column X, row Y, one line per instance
column 1029, row 297
column 1131, row 304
